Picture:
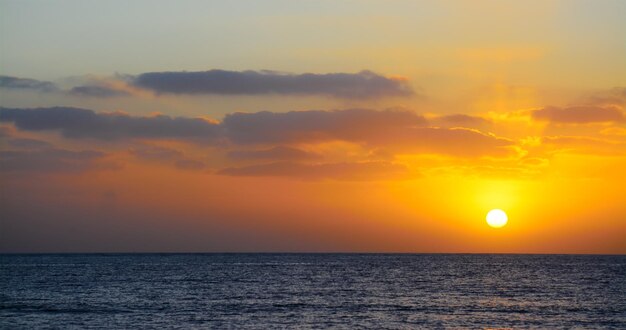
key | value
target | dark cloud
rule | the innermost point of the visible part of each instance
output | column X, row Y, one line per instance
column 48, row 160
column 28, row 143
column 395, row 131
column 361, row 85
column 93, row 88
column 315, row 125
column 579, row 114
column 27, row 84
column 97, row 91
column 365, row 171
column 276, row 153
column 365, row 84
column 82, row 123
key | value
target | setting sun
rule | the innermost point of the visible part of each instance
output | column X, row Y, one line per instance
column 496, row 218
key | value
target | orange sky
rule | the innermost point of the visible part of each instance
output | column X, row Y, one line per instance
column 382, row 128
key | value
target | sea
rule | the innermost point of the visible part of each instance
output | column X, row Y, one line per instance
column 302, row 291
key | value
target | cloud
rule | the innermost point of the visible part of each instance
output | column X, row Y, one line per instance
column 579, row 114
column 166, row 156
column 584, row 145
column 276, row 153
column 27, row 84
column 534, row 162
column 365, row 171
column 48, row 160
column 460, row 120
column 97, row 91
column 614, row 131
column 361, row 85
column 105, row 87
column 500, row 171
column 463, row 142
column 398, row 131
column 365, row 84
column 315, row 125
column 32, row 155
column 463, row 120
column 24, row 143
column 83, row 123
column 91, row 87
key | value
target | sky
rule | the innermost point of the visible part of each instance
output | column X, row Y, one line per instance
column 312, row 126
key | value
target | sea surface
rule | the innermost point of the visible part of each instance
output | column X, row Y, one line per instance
column 263, row 291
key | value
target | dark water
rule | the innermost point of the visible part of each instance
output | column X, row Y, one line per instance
column 312, row 291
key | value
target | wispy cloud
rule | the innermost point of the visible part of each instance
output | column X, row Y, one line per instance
column 98, row 88
column 462, row 142
column 584, row 145
column 462, row 120
column 9, row 82
column 167, row 156
column 49, row 159
column 276, row 153
column 32, row 155
column 363, row 171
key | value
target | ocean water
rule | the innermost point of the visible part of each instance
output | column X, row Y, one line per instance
column 262, row 291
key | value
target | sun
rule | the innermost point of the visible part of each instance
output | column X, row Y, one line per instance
column 496, row 218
